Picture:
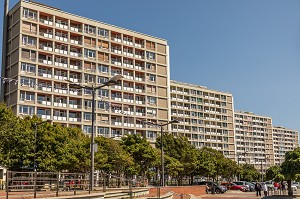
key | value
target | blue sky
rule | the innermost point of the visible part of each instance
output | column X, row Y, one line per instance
column 248, row 48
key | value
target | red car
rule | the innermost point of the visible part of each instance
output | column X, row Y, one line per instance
column 232, row 186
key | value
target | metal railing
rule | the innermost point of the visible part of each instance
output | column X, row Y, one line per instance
column 54, row 184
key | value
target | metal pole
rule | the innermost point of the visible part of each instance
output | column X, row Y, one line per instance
column 34, row 159
column 92, row 140
column 4, row 45
column 261, row 169
column 239, row 177
column 162, row 158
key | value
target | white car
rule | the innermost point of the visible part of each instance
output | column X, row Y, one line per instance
column 293, row 186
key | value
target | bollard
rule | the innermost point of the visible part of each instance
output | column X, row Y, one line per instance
column 104, row 183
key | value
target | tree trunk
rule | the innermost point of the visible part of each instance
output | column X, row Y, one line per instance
column 290, row 191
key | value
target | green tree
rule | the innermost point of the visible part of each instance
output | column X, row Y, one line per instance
column 274, row 173
column 249, row 172
column 291, row 168
column 144, row 155
column 180, row 149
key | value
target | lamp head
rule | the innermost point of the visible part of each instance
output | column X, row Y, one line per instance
column 114, row 80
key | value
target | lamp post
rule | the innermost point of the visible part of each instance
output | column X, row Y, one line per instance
column 162, row 150
column 111, row 82
column 35, row 125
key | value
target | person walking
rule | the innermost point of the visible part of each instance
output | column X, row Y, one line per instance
column 258, row 188
column 265, row 189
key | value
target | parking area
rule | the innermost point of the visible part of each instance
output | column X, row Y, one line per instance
column 233, row 194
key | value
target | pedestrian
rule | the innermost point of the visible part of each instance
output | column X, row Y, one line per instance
column 276, row 186
column 283, row 188
column 258, row 188
column 265, row 189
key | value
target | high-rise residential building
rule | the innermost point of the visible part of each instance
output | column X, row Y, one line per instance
column 205, row 115
column 284, row 140
column 254, row 140
column 47, row 46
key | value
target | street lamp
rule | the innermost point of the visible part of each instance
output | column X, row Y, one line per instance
column 111, row 82
column 35, row 125
column 162, row 147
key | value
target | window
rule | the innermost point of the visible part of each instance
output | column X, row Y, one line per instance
column 27, row 13
column 26, row 81
column 88, row 103
column 43, row 112
column 152, row 78
column 104, row 131
column 27, row 40
column 151, row 134
column 89, row 29
column 150, row 55
column 103, row 93
column 103, row 105
column 27, row 96
column 26, row 110
column 26, row 67
column 151, row 100
column 89, row 53
column 87, row 116
column 102, row 80
column 103, row 32
column 87, row 129
column 103, row 69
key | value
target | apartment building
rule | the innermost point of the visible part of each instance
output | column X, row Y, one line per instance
column 205, row 115
column 47, row 46
column 254, row 139
column 284, row 140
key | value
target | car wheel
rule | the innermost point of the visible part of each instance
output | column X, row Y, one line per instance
column 218, row 191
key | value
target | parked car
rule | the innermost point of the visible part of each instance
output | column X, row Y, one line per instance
column 297, row 184
column 270, row 185
column 232, row 186
column 248, row 185
column 294, row 187
column 218, row 188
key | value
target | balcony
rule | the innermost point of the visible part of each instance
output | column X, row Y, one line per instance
column 116, row 122
column 45, row 61
column 128, row 65
column 117, row 99
column 139, row 102
column 77, row 106
column 61, row 64
column 47, row 34
column 46, row 117
column 129, row 124
column 46, row 47
column 129, row 100
column 139, row 79
column 139, row 67
column 61, row 37
column 75, row 29
column 60, row 90
column 45, row 74
column 75, row 80
column 60, row 104
column 60, row 77
column 75, row 54
column 116, row 62
column 74, row 119
column 58, row 49
column 128, row 88
column 128, row 77
column 116, row 50
column 116, row 38
column 47, row 21
column 62, row 25
column 46, row 88
column 76, row 67
column 60, row 118
column 74, row 41
column 129, row 54
column 44, row 102
column 74, row 92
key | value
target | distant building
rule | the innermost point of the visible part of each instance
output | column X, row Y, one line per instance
column 284, row 140
column 205, row 115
